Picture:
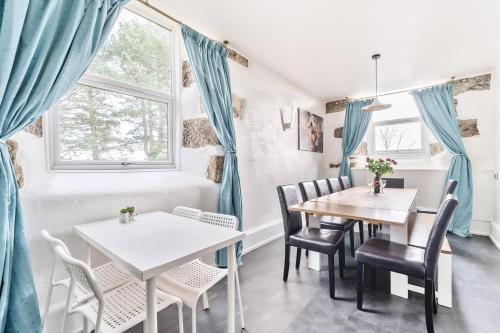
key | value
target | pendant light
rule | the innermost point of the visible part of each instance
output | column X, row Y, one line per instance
column 376, row 105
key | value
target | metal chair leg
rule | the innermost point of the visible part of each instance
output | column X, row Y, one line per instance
column 428, row 306
column 287, row 262
column 351, row 240
column 360, row 283
column 297, row 259
column 361, row 232
column 205, row 301
column 434, row 302
column 181, row 318
column 331, row 275
column 342, row 259
column 370, row 230
column 240, row 303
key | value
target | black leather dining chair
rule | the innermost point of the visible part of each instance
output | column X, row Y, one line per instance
column 322, row 187
column 409, row 260
column 334, row 222
column 345, row 182
column 450, row 187
column 334, row 185
column 318, row 240
column 308, row 191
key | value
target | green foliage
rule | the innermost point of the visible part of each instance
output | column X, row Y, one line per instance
column 129, row 210
column 380, row 166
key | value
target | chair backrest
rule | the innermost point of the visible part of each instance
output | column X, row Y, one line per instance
column 322, row 187
column 437, row 234
column 334, row 185
column 79, row 272
column 345, row 182
column 308, row 190
column 450, row 187
column 222, row 220
column 53, row 242
column 394, row 182
column 190, row 213
column 292, row 221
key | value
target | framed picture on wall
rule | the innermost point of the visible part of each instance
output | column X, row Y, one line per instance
column 310, row 131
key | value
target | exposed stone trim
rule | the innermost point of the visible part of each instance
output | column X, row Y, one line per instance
column 233, row 55
column 187, row 74
column 338, row 132
column 36, row 128
column 480, row 82
column 13, row 148
column 238, row 106
column 198, row 132
column 336, row 106
column 215, row 168
column 435, row 148
column 468, row 127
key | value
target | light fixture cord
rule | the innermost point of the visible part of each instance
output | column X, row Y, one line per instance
column 376, row 78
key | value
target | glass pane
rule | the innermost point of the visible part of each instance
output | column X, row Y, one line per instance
column 395, row 137
column 98, row 125
column 137, row 52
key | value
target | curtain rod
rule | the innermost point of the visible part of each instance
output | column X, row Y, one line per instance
column 400, row 91
column 159, row 11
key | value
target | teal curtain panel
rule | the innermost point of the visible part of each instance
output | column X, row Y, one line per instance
column 209, row 62
column 356, row 123
column 45, row 46
column 438, row 112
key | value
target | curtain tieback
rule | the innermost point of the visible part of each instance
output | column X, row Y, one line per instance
column 457, row 155
column 229, row 151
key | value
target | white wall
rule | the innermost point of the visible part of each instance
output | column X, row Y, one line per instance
column 495, row 227
column 428, row 175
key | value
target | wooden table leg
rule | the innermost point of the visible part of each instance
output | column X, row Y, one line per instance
column 150, row 326
column 399, row 282
column 231, row 264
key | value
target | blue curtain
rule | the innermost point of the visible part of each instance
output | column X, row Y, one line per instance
column 45, row 46
column 209, row 61
column 356, row 123
column 438, row 112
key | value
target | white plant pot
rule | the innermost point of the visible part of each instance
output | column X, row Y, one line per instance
column 124, row 218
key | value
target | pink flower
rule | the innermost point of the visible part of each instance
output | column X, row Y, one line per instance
column 368, row 159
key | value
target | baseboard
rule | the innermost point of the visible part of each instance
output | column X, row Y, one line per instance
column 481, row 228
column 495, row 234
column 262, row 235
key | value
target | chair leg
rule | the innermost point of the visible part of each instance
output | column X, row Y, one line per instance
column 47, row 306
column 181, row 318
column 240, row 303
column 287, row 262
column 297, row 259
column 205, row 301
column 307, row 253
column 428, row 305
column 370, row 230
column 342, row 259
column 434, row 303
column 360, row 283
column 375, row 229
column 361, row 232
column 331, row 275
column 193, row 319
column 351, row 240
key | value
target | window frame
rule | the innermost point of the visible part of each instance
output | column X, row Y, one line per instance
column 115, row 86
column 403, row 153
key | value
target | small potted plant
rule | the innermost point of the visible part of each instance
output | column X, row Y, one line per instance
column 124, row 216
column 130, row 210
column 379, row 167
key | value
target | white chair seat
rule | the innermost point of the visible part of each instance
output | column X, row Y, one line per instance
column 190, row 280
column 124, row 307
column 108, row 277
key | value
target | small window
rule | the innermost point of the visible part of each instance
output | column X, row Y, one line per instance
column 120, row 114
column 398, row 130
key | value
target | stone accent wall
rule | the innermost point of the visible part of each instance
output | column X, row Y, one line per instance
column 338, row 132
column 468, row 127
column 481, row 82
column 36, row 128
column 187, row 74
column 13, row 148
column 336, row 106
column 235, row 56
column 238, row 106
column 198, row 133
column 435, row 148
column 215, row 168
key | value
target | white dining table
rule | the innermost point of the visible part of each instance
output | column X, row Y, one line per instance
column 157, row 242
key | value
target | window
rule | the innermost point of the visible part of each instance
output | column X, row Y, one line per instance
column 398, row 130
column 121, row 113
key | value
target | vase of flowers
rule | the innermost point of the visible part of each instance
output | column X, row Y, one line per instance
column 379, row 167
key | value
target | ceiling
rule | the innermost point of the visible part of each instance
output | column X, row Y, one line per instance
column 325, row 46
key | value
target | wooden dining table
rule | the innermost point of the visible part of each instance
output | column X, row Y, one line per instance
column 392, row 208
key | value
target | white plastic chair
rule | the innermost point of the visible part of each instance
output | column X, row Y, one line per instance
column 194, row 279
column 190, row 213
column 108, row 277
column 115, row 311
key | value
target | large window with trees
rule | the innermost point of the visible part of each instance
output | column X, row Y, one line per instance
column 121, row 113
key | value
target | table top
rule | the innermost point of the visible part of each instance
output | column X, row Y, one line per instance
column 156, row 242
column 391, row 207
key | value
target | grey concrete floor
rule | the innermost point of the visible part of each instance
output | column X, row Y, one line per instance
column 302, row 305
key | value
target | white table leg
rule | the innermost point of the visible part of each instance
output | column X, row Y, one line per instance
column 88, row 253
column 399, row 282
column 150, row 324
column 444, row 283
column 317, row 261
column 231, row 264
